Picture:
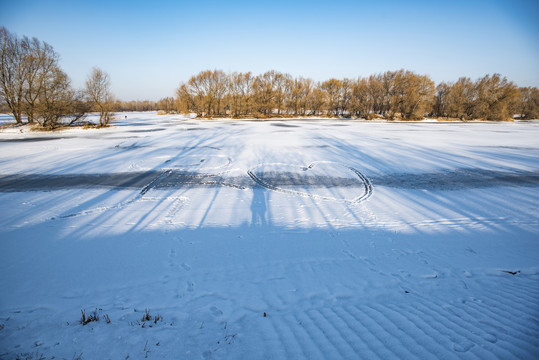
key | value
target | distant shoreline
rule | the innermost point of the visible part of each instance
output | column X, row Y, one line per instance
column 342, row 119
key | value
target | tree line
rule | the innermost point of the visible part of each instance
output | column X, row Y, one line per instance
column 398, row 94
column 166, row 104
column 33, row 85
column 35, row 89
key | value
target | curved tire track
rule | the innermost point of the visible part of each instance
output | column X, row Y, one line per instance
column 367, row 185
column 137, row 197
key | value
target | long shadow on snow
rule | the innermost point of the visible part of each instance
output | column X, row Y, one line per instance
column 143, row 180
column 458, row 179
column 377, row 159
column 297, row 276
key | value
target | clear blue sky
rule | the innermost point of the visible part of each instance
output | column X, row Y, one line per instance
column 148, row 47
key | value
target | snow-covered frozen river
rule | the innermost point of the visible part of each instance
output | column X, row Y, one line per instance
column 300, row 239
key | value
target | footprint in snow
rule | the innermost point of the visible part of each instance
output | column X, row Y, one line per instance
column 463, row 346
column 367, row 260
column 171, row 256
column 494, row 327
column 216, row 311
column 190, row 286
column 469, row 249
column 186, row 267
column 489, row 337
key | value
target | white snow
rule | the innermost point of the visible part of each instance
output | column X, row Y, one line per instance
column 291, row 239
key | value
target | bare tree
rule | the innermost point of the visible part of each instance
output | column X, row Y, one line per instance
column 264, row 87
column 167, row 105
column 345, row 96
column 246, row 90
column 332, row 88
column 413, row 95
column 205, row 93
column 305, row 91
column 362, row 103
column 441, row 105
column 188, row 99
column 58, row 102
column 460, row 99
column 375, row 91
column 32, row 83
column 297, row 99
column 41, row 64
column 100, row 96
column 316, row 100
column 282, row 84
column 12, row 73
column 496, row 98
column 528, row 105
column 219, row 82
column 398, row 94
column 240, row 93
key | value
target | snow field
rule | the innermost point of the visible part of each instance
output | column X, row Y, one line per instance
column 356, row 240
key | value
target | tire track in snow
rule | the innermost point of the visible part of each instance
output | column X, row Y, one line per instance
column 123, row 204
column 314, row 342
column 497, row 324
column 347, row 326
column 472, row 325
column 410, row 329
column 367, row 185
column 418, row 329
column 510, row 297
column 473, row 334
column 379, row 327
column 292, row 322
column 439, row 332
column 177, row 204
column 519, row 332
column 465, row 337
column 270, row 340
column 495, row 299
column 478, row 223
column 462, row 341
column 324, row 333
column 320, row 327
column 386, row 321
column 292, row 348
column 374, row 337
column 534, row 293
column 328, row 316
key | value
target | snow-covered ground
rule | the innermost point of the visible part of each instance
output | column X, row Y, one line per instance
column 270, row 240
